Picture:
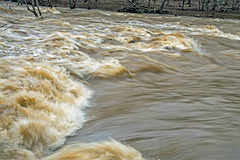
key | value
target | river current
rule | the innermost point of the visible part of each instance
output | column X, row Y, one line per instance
column 92, row 84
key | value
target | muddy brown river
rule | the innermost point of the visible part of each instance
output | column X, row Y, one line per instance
column 167, row 86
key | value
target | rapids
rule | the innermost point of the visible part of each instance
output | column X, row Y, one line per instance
column 76, row 83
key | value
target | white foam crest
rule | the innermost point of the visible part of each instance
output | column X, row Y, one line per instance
column 108, row 67
column 125, row 30
column 67, row 41
column 53, row 10
column 64, row 48
column 138, row 23
column 225, row 35
column 40, row 105
column 210, row 30
column 97, row 151
column 12, row 35
column 167, row 42
column 56, row 22
column 178, row 26
column 236, row 21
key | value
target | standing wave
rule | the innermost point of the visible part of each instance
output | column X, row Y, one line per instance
column 110, row 150
column 39, row 106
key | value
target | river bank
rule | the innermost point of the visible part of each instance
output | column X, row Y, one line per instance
column 173, row 8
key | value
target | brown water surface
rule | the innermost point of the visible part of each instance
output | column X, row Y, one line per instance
column 168, row 86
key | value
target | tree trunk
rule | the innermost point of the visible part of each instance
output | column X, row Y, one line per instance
column 149, row 3
column 20, row 2
column 89, row 4
column 183, row 1
column 50, row 3
column 224, row 3
column 72, row 4
column 203, row 3
column 207, row 5
column 154, row 6
column 234, row 5
column 214, row 5
column 34, row 3
column 39, row 12
column 239, row 4
column 199, row 5
column 167, row 3
column 162, row 6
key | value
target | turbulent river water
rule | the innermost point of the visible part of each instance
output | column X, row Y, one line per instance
column 88, row 84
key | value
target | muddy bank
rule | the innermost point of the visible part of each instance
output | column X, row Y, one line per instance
column 205, row 14
column 172, row 8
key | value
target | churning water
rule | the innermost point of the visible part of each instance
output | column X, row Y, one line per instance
column 74, row 81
